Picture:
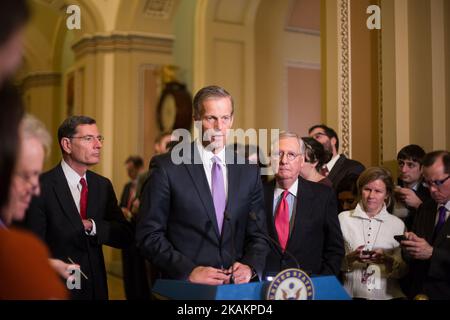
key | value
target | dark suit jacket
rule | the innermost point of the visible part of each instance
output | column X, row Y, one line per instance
column 342, row 168
column 315, row 240
column 424, row 194
column 125, row 195
column 431, row 277
column 177, row 228
column 54, row 217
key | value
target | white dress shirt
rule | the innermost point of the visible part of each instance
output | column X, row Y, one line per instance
column 332, row 162
column 73, row 180
column 291, row 198
column 207, row 160
column 375, row 233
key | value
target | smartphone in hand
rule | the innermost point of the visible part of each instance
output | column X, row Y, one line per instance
column 368, row 252
column 400, row 238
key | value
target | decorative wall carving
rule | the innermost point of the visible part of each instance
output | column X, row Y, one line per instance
column 344, row 76
column 380, row 95
column 158, row 9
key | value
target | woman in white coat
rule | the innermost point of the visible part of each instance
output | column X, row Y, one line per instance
column 373, row 262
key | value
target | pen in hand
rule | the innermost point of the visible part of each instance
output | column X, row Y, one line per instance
column 82, row 273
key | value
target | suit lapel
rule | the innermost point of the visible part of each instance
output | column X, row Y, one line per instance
column 442, row 234
column 198, row 177
column 65, row 199
column 426, row 228
column 336, row 168
column 303, row 210
column 233, row 173
column 93, row 190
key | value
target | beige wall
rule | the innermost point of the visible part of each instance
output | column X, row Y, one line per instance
column 304, row 14
column 278, row 48
column 421, row 110
column 364, row 82
column 303, row 99
column 447, row 69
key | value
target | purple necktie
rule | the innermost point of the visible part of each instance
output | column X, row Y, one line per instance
column 218, row 191
column 441, row 219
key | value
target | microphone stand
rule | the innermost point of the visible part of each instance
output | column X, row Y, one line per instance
column 227, row 217
column 254, row 217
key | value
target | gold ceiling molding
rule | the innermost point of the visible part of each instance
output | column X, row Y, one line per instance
column 344, row 56
column 40, row 79
column 102, row 43
column 158, row 9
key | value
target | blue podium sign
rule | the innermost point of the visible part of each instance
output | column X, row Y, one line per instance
column 325, row 288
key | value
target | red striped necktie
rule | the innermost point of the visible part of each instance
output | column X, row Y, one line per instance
column 83, row 198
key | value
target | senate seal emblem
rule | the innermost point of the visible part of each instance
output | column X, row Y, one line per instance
column 291, row 284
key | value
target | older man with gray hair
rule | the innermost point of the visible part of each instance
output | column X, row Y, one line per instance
column 301, row 215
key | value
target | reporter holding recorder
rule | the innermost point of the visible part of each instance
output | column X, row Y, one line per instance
column 373, row 262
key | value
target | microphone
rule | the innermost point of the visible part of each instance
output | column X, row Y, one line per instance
column 227, row 217
column 254, row 217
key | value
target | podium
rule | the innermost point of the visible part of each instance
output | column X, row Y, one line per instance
column 325, row 288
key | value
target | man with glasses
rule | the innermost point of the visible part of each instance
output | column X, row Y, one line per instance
column 428, row 244
column 339, row 165
column 77, row 211
column 301, row 215
column 196, row 220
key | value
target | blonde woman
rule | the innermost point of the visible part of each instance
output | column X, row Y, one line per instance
column 373, row 262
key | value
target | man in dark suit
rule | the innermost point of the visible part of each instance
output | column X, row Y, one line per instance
column 339, row 166
column 195, row 222
column 410, row 192
column 301, row 216
column 428, row 244
column 77, row 210
column 133, row 264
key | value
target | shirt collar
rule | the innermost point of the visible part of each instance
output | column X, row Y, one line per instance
column 292, row 190
column 415, row 187
column 332, row 162
column 360, row 213
column 447, row 205
column 207, row 155
column 73, row 178
column 2, row 225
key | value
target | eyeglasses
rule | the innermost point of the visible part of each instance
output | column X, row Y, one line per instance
column 213, row 119
column 90, row 138
column 291, row 156
column 318, row 135
column 435, row 183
